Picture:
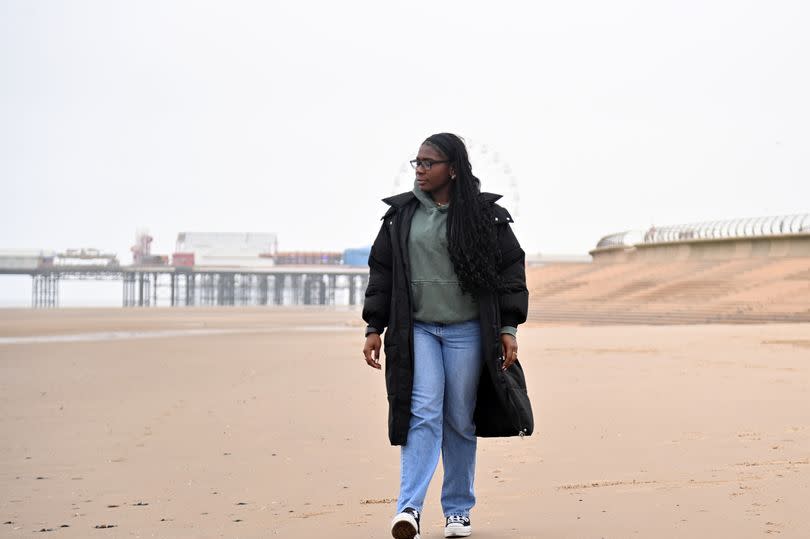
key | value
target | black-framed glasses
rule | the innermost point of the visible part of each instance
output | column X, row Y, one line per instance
column 426, row 163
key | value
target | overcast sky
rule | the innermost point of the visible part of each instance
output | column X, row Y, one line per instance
column 297, row 117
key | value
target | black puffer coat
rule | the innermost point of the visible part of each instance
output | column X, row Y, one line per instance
column 502, row 406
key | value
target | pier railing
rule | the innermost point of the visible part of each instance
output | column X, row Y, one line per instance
column 752, row 227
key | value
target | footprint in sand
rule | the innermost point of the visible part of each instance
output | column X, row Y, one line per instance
column 773, row 527
column 314, row 514
column 377, row 500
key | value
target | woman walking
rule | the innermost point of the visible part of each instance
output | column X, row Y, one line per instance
column 447, row 285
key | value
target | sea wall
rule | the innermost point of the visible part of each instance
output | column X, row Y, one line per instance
column 707, row 249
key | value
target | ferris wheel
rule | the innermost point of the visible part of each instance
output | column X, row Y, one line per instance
column 488, row 165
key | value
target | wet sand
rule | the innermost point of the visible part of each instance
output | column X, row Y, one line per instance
column 263, row 423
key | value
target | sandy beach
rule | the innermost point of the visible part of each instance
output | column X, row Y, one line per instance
column 249, row 423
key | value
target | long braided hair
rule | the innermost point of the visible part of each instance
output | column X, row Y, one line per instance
column 471, row 235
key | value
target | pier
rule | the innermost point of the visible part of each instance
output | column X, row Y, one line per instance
column 187, row 286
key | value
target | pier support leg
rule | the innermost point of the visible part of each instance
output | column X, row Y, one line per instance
column 352, row 290
column 278, row 289
column 307, row 290
column 322, row 299
column 331, row 289
column 45, row 290
column 263, row 286
column 296, row 289
column 189, row 288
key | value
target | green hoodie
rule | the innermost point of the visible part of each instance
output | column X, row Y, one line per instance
column 435, row 288
column 436, row 291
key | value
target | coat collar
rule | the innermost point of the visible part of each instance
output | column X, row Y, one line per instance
column 490, row 197
column 400, row 200
column 397, row 201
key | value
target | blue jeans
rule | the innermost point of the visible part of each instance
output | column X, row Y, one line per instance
column 447, row 365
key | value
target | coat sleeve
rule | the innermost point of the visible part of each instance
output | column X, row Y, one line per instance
column 377, row 302
column 513, row 301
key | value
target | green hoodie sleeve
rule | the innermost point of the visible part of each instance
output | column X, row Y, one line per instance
column 510, row 330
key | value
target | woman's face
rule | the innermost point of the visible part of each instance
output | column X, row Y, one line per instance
column 438, row 177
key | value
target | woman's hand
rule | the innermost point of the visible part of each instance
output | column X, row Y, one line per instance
column 509, row 343
column 371, row 350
